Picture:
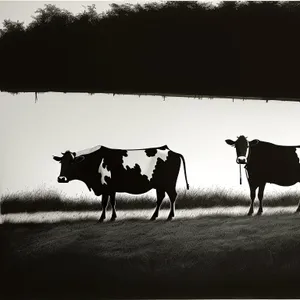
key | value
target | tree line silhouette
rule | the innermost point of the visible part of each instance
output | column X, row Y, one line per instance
column 247, row 49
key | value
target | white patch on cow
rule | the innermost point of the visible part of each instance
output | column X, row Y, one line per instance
column 88, row 150
column 146, row 163
column 247, row 151
column 246, row 155
column 104, row 172
column 298, row 153
column 242, row 157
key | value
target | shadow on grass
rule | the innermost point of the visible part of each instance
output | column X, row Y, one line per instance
column 214, row 258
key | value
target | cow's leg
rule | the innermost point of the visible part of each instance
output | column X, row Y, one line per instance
column 252, row 196
column 260, row 198
column 160, row 194
column 104, row 204
column 172, row 195
column 298, row 208
column 113, row 206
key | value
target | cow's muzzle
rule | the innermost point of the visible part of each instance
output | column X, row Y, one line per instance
column 62, row 179
column 241, row 160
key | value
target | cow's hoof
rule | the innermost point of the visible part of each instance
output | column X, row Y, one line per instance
column 249, row 214
column 112, row 219
column 297, row 211
column 100, row 220
column 169, row 218
column 259, row 213
column 153, row 218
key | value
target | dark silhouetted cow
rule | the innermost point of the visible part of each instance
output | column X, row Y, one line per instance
column 266, row 163
column 106, row 171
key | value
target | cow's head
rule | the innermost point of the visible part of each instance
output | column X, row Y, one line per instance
column 69, row 166
column 242, row 146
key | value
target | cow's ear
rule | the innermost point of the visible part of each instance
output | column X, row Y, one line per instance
column 57, row 158
column 230, row 142
column 79, row 159
column 254, row 143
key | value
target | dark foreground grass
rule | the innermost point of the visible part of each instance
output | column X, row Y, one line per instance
column 218, row 257
column 43, row 200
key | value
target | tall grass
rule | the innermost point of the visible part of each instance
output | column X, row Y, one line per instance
column 50, row 200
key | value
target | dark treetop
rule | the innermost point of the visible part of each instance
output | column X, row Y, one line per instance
column 240, row 49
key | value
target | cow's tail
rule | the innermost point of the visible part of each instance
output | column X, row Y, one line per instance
column 187, row 184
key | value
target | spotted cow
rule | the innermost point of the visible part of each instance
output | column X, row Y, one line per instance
column 266, row 163
column 107, row 171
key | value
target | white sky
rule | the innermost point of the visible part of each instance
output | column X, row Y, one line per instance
column 31, row 133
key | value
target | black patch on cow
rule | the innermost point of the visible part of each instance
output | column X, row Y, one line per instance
column 151, row 152
column 166, row 172
column 131, row 179
column 163, row 147
column 112, row 158
column 274, row 164
column 136, row 167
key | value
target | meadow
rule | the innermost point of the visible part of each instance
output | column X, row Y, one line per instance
column 204, row 257
column 49, row 200
column 219, row 257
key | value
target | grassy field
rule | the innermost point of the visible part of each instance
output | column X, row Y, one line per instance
column 219, row 257
column 43, row 200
